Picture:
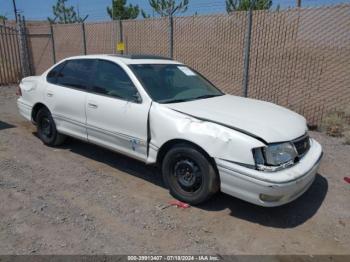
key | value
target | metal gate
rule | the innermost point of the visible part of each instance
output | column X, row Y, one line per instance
column 10, row 58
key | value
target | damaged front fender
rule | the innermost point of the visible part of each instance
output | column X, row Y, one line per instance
column 218, row 141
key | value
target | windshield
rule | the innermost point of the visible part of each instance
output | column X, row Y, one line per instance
column 171, row 83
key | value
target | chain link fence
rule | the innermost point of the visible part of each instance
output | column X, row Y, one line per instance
column 10, row 57
column 154, row 36
column 298, row 58
column 40, row 47
column 213, row 45
column 102, row 37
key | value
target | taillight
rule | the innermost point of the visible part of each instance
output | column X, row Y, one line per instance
column 19, row 91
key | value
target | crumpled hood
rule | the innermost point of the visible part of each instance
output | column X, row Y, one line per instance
column 265, row 120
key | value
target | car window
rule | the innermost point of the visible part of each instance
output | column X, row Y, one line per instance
column 76, row 73
column 112, row 80
column 51, row 76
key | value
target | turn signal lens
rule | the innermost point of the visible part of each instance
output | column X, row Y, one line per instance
column 268, row 198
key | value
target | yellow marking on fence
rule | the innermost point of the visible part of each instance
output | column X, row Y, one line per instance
column 120, row 46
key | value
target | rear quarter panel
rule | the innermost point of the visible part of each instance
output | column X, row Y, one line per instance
column 32, row 89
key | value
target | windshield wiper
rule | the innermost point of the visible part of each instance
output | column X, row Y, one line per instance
column 187, row 99
column 175, row 101
column 205, row 96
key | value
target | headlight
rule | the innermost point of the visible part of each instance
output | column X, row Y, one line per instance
column 275, row 157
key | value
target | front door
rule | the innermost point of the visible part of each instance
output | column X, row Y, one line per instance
column 116, row 116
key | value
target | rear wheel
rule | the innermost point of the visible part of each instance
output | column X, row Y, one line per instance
column 189, row 174
column 46, row 127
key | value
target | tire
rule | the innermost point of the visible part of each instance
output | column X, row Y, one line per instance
column 46, row 128
column 189, row 175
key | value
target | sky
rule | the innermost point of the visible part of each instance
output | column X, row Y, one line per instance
column 96, row 9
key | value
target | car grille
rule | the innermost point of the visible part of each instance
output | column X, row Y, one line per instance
column 302, row 145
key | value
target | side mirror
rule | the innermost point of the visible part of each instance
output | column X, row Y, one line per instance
column 137, row 98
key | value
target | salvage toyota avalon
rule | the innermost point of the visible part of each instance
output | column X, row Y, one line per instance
column 162, row 112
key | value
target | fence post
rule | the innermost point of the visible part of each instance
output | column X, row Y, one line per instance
column 26, row 48
column 120, row 46
column 247, row 52
column 171, row 36
column 4, row 52
column 84, row 37
column 9, row 51
column 23, row 46
column 53, row 44
column 120, row 23
column 19, row 49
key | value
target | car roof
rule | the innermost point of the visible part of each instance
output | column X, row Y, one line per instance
column 129, row 59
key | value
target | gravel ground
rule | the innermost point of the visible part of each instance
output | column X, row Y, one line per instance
column 82, row 199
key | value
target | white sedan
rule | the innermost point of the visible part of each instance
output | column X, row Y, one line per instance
column 162, row 112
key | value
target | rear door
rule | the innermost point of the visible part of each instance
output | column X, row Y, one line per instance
column 66, row 96
column 116, row 116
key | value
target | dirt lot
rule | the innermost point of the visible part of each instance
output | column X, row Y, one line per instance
column 82, row 199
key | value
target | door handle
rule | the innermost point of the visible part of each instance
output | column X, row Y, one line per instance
column 49, row 94
column 91, row 105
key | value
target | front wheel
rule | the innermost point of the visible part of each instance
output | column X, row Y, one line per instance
column 189, row 174
column 47, row 131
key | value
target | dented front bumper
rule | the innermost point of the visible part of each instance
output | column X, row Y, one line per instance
column 270, row 188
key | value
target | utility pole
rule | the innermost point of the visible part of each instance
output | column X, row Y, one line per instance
column 15, row 9
column 298, row 3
